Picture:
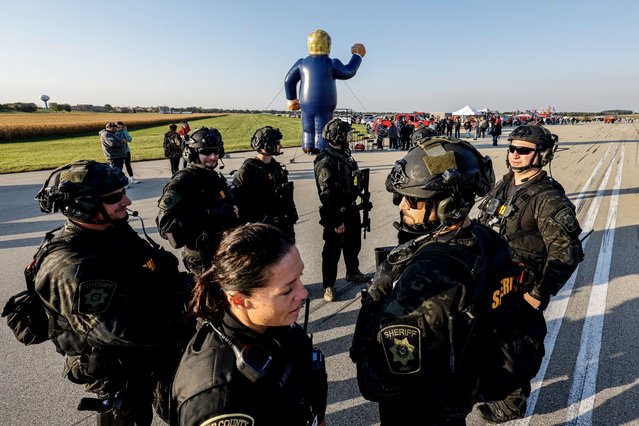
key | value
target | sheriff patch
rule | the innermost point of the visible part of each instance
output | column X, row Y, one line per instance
column 324, row 175
column 236, row 419
column 169, row 199
column 402, row 347
column 566, row 218
column 95, row 296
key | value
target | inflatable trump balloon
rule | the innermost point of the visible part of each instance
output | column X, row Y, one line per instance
column 318, row 92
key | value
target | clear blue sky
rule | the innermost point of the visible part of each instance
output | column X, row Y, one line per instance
column 421, row 55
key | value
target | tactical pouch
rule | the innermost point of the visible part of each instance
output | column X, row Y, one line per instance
column 514, row 352
column 27, row 318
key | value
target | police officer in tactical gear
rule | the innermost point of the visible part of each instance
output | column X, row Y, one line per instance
column 337, row 179
column 262, row 190
column 532, row 211
column 196, row 204
column 111, row 297
column 249, row 362
column 425, row 334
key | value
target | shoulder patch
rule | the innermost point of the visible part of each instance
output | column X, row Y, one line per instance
column 95, row 296
column 169, row 199
column 324, row 175
column 566, row 218
column 402, row 347
column 235, row 419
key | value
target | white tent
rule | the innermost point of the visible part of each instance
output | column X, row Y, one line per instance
column 466, row 111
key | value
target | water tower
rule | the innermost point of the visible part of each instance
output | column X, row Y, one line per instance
column 45, row 99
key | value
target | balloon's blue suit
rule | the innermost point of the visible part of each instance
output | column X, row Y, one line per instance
column 318, row 92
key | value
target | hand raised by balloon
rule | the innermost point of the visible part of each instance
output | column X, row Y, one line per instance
column 358, row 49
column 294, row 105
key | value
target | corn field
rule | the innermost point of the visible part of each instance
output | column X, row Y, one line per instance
column 21, row 126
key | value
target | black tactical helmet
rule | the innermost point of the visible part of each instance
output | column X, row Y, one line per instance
column 75, row 189
column 546, row 143
column 337, row 132
column 422, row 133
column 203, row 137
column 266, row 139
column 448, row 170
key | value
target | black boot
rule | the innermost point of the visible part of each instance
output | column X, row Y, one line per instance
column 499, row 412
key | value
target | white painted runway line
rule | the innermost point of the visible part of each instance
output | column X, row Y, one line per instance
column 556, row 310
column 584, row 385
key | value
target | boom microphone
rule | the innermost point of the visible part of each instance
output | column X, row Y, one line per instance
column 222, row 164
column 135, row 213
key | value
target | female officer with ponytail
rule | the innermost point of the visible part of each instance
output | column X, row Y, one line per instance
column 249, row 363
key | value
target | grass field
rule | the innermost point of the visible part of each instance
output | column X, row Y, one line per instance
column 48, row 153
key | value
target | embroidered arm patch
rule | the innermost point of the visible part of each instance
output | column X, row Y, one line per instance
column 169, row 199
column 94, row 296
column 402, row 347
column 566, row 218
column 235, row 419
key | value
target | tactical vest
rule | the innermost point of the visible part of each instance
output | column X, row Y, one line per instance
column 348, row 181
column 511, row 217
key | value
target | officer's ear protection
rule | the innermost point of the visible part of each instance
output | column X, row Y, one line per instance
column 452, row 209
column 253, row 361
column 547, row 153
column 58, row 197
column 190, row 154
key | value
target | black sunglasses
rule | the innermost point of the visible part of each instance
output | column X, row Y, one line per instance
column 412, row 201
column 521, row 150
column 113, row 198
column 208, row 151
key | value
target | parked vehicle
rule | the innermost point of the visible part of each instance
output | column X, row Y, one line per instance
column 414, row 118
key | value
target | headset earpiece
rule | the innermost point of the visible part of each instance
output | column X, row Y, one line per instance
column 452, row 209
column 546, row 154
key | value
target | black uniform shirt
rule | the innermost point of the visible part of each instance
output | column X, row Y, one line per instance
column 255, row 184
column 196, row 206
column 208, row 387
column 337, row 179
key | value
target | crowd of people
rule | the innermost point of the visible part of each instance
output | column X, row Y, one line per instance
column 398, row 132
column 219, row 344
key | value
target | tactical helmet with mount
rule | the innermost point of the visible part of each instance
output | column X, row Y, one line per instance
column 421, row 134
column 203, row 137
column 338, row 132
column 448, row 170
column 545, row 141
column 75, row 189
column 266, row 139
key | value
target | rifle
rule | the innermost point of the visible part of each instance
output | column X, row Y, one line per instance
column 365, row 205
